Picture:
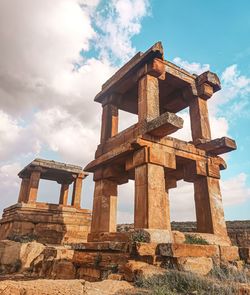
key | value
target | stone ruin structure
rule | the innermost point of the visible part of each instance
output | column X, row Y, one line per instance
column 49, row 223
column 156, row 90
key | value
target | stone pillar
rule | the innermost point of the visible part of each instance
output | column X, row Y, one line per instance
column 23, row 193
column 104, row 206
column 77, row 190
column 64, row 194
column 33, row 186
column 209, row 208
column 109, row 126
column 199, row 119
column 151, row 198
column 208, row 201
column 148, row 98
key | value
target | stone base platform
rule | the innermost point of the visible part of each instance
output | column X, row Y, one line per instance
column 118, row 260
column 156, row 236
column 99, row 259
column 47, row 223
column 146, row 235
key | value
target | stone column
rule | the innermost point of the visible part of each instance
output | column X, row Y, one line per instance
column 33, row 186
column 208, row 201
column 199, row 119
column 64, row 194
column 23, row 193
column 104, row 206
column 109, row 126
column 77, row 190
column 148, row 98
column 151, row 198
column 209, row 208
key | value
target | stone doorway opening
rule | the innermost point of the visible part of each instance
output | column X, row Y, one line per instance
column 126, row 120
column 182, row 204
column 125, row 203
column 48, row 192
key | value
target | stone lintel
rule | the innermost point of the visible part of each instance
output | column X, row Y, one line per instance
column 178, row 73
column 218, row 146
column 156, row 51
column 42, row 207
column 110, row 156
column 125, row 151
column 53, row 170
column 112, row 172
column 164, row 125
column 161, row 156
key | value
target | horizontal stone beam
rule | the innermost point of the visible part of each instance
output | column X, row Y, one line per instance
column 178, row 73
column 156, row 51
column 161, row 156
column 218, row 146
column 164, row 125
column 110, row 156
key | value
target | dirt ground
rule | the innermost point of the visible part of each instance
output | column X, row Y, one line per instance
column 63, row 287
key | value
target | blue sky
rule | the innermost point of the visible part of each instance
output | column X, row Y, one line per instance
column 47, row 109
column 216, row 33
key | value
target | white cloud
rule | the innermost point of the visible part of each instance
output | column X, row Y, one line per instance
column 60, row 132
column 9, row 184
column 235, row 190
column 193, row 67
column 39, row 44
column 118, row 23
column 236, row 90
column 49, row 75
column 182, row 206
column 14, row 138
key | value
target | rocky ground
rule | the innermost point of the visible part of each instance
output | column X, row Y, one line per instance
column 63, row 287
column 238, row 230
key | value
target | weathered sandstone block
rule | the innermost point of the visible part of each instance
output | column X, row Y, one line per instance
column 188, row 250
column 198, row 265
column 229, row 253
column 63, row 269
column 135, row 269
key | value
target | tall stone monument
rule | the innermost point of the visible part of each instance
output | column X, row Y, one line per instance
column 156, row 90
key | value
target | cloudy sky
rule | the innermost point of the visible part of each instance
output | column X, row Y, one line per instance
column 55, row 55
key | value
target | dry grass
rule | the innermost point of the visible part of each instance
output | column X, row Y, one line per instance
column 219, row 282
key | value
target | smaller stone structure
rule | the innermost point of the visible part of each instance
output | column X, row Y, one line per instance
column 48, row 223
